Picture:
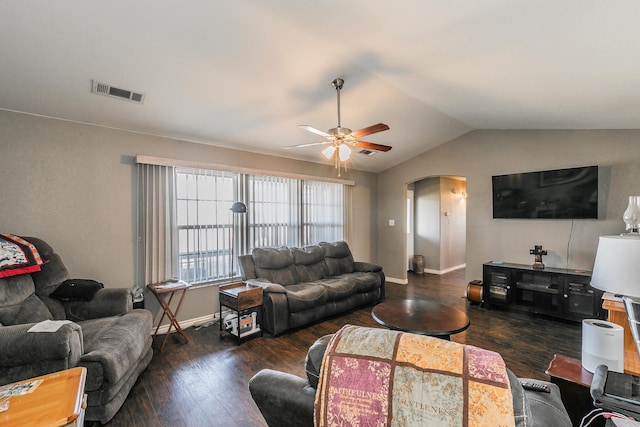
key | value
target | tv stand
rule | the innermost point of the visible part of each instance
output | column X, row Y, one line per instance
column 556, row 292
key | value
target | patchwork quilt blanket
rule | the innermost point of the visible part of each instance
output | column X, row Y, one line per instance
column 378, row 377
column 17, row 256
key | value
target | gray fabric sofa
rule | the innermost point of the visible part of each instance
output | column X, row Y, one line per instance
column 105, row 334
column 286, row 400
column 304, row 285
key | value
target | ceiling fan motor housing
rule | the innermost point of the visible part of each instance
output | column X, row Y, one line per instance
column 339, row 132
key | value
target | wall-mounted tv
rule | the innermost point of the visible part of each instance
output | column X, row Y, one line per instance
column 555, row 194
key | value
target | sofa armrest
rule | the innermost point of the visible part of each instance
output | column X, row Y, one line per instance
column 366, row 267
column 267, row 286
column 106, row 302
column 283, row 399
column 20, row 348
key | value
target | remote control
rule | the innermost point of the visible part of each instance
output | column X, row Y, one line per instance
column 535, row 386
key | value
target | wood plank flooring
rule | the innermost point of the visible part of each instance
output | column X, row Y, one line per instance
column 204, row 383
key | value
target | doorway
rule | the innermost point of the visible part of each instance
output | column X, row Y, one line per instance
column 436, row 223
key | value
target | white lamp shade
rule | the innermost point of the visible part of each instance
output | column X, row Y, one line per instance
column 328, row 152
column 344, row 153
column 617, row 265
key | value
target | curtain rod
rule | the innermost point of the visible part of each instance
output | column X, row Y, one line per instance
column 162, row 161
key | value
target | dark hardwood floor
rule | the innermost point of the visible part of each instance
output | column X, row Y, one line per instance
column 204, row 383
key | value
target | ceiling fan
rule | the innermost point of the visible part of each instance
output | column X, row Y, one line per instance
column 341, row 139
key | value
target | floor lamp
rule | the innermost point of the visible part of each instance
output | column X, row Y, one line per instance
column 236, row 208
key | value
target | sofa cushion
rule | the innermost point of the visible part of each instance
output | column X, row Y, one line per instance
column 52, row 273
column 338, row 257
column 19, row 303
column 113, row 345
column 275, row 264
column 339, row 288
column 304, row 296
column 309, row 263
column 365, row 282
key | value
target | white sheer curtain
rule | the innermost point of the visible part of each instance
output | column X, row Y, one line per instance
column 273, row 207
column 157, row 237
column 323, row 212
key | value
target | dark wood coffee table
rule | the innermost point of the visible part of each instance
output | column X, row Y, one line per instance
column 421, row 317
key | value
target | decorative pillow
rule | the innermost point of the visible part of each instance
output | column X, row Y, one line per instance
column 17, row 256
column 77, row 290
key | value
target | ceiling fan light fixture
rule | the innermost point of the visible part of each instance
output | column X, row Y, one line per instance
column 344, row 152
column 328, row 152
column 341, row 139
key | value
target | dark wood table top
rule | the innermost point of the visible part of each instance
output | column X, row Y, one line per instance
column 569, row 369
column 420, row 317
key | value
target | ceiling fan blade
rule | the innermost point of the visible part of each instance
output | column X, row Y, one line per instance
column 314, row 130
column 372, row 146
column 369, row 130
column 308, row 145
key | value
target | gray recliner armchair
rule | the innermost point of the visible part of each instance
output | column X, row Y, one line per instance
column 286, row 400
column 105, row 334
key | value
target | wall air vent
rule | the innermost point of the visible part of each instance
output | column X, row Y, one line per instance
column 108, row 90
column 367, row 152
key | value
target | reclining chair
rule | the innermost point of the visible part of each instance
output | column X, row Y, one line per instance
column 105, row 334
column 286, row 400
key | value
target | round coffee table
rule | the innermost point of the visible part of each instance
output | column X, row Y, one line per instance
column 421, row 317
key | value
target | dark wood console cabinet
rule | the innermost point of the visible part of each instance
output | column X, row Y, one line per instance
column 556, row 292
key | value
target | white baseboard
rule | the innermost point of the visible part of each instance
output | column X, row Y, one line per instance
column 446, row 270
column 191, row 322
column 394, row 280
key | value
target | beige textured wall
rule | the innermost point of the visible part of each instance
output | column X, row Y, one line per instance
column 74, row 186
column 481, row 154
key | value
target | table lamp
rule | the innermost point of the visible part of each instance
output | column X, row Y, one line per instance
column 617, row 270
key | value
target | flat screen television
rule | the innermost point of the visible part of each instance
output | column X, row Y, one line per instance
column 554, row 194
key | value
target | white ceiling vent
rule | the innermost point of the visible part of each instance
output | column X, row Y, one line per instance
column 108, row 90
column 367, row 152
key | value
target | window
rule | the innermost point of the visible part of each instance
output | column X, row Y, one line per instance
column 188, row 231
column 294, row 212
column 204, row 223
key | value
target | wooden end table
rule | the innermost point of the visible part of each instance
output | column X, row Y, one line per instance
column 59, row 400
column 575, row 387
column 170, row 289
column 422, row 317
column 246, row 301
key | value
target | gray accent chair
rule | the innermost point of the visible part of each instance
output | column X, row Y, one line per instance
column 286, row 400
column 304, row 285
column 105, row 335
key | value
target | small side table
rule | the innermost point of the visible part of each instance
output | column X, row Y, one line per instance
column 59, row 400
column 161, row 290
column 246, row 301
column 575, row 387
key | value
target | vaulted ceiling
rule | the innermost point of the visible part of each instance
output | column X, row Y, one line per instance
column 244, row 74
